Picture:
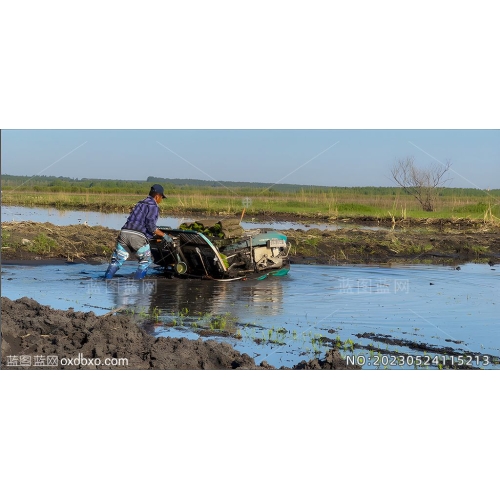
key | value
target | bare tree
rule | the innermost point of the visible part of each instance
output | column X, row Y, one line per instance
column 420, row 183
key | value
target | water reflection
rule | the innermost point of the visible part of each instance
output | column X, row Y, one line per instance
column 116, row 220
column 130, row 294
column 198, row 297
column 70, row 217
column 263, row 297
column 459, row 310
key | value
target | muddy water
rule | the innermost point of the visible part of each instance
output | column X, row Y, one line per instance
column 370, row 311
column 116, row 221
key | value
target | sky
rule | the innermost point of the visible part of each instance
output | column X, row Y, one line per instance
column 370, row 81
column 327, row 157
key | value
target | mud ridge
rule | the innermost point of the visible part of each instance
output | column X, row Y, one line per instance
column 420, row 347
column 38, row 332
column 31, row 241
column 358, row 246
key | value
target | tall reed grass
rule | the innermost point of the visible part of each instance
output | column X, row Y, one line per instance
column 338, row 204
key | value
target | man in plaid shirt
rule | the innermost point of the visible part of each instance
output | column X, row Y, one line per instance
column 136, row 232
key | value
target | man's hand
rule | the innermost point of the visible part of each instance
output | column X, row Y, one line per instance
column 167, row 239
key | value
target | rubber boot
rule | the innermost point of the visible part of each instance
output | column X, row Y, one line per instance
column 140, row 273
column 111, row 271
column 145, row 260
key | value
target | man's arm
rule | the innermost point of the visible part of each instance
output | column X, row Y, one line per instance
column 151, row 220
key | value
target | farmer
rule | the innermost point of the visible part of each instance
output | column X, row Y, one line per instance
column 135, row 234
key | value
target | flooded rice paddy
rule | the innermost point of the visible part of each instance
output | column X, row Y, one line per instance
column 116, row 220
column 376, row 313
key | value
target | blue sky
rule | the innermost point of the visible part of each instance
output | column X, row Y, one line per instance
column 320, row 157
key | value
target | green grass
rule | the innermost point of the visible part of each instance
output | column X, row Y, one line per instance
column 472, row 208
column 312, row 241
column 325, row 202
column 355, row 208
column 42, row 244
column 221, row 321
column 6, row 239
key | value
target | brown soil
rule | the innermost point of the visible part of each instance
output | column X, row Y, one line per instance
column 457, row 223
column 37, row 331
column 422, row 244
column 75, row 243
column 332, row 361
column 358, row 246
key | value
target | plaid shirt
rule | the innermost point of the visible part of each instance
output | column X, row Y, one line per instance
column 143, row 217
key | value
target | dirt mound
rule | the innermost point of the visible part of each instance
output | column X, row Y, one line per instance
column 37, row 241
column 364, row 246
column 72, row 340
column 32, row 329
column 43, row 240
column 333, row 361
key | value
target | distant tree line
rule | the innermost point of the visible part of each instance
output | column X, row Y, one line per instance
column 186, row 186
